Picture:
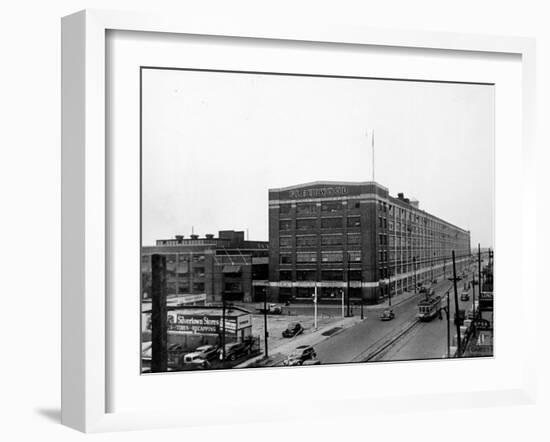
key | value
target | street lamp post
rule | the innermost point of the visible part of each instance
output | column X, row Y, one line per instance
column 414, row 270
column 265, row 322
column 448, row 314
column 347, row 284
column 389, row 286
column 315, row 307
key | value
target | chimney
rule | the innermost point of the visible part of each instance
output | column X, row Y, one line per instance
column 209, row 236
column 179, row 238
column 400, row 195
column 194, row 236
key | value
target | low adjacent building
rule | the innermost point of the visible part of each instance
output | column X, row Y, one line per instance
column 201, row 270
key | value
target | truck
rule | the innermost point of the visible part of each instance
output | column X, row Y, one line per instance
column 272, row 309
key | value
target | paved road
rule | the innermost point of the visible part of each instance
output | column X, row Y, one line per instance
column 427, row 340
column 355, row 343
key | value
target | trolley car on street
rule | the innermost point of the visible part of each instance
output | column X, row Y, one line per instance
column 429, row 308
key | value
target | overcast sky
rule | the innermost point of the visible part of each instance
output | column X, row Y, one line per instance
column 214, row 143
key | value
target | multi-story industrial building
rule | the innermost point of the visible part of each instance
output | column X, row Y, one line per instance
column 353, row 239
column 204, row 269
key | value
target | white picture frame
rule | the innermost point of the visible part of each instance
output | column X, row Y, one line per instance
column 86, row 202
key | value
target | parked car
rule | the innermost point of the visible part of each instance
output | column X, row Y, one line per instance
column 300, row 355
column 195, row 360
column 176, row 353
column 272, row 309
column 423, row 290
column 236, row 350
column 464, row 296
column 207, row 352
column 387, row 315
column 313, row 361
column 293, row 329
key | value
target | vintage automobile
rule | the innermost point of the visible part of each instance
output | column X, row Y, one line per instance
column 237, row 350
column 272, row 309
column 299, row 356
column 387, row 315
column 196, row 361
column 293, row 329
column 208, row 352
column 176, row 354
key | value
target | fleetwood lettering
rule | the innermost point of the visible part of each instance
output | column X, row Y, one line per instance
column 315, row 193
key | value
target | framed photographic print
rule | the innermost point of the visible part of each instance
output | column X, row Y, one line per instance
column 259, row 208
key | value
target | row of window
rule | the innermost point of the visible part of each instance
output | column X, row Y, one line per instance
column 307, row 257
column 184, row 287
column 326, row 223
column 326, row 275
column 180, row 257
column 311, row 208
column 313, row 240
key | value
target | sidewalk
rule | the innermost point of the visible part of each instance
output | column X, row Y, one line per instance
column 395, row 301
column 281, row 351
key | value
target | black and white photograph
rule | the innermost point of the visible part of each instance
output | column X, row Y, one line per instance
column 297, row 220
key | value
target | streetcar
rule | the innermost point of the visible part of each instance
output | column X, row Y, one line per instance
column 429, row 308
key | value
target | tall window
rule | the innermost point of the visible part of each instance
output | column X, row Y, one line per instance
column 355, row 256
column 285, row 224
column 306, row 241
column 331, row 240
column 331, row 275
column 306, row 209
column 331, row 256
column 306, row 257
column 331, row 223
column 285, row 275
column 305, row 224
column 354, row 239
column 354, row 221
column 286, row 258
column 306, row 275
column 285, row 241
column 284, row 209
column 331, row 206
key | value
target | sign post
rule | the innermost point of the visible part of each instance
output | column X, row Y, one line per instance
column 315, row 307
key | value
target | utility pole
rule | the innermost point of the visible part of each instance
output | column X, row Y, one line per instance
column 266, row 334
column 343, row 315
column 457, row 322
column 448, row 311
column 223, row 326
column 479, row 270
column 159, row 327
column 347, row 286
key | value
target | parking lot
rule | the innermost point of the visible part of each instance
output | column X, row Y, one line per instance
column 276, row 324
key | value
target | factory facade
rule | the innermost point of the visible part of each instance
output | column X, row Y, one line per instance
column 353, row 239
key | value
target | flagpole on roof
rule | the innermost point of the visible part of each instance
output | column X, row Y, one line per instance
column 372, row 147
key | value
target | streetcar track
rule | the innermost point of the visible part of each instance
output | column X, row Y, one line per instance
column 384, row 342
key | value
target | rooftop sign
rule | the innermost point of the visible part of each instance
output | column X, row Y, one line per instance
column 318, row 192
